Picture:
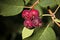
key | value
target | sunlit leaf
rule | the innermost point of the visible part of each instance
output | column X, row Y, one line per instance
column 45, row 33
column 27, row 32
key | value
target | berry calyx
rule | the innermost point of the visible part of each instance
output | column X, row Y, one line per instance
column 37, row 22
column 28, row 24
column 26, row 14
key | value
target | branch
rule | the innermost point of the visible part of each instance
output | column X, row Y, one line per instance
column 53, row 18
column 56, row 9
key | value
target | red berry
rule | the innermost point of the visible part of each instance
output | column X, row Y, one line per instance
column 26, row 14
column 37, row 22
column 31, row 18
column 35, row 13
column 28, row 24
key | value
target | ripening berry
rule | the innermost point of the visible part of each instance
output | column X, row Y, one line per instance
column 28, row 24
column 31, row 18
column 37, row 22
column 26, row 14
column 35, row 13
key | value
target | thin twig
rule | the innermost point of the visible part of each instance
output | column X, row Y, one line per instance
column 56, row 9
column 46, row 15
column 53, row 18
column 32, row 5
column 35, row 3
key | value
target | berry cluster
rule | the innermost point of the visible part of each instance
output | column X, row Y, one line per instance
column 31, row 18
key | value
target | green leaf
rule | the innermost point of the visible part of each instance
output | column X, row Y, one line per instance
column 37, row 7
column 27, row 1
column 57, row 20
column 11, row 7
column 45, row 33
column 58, row 2
column 13, row 2
column 27, row 32
column 45, row 3
column 48, row 34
